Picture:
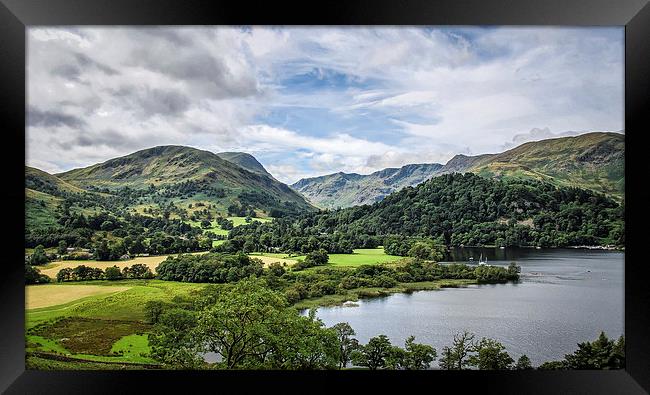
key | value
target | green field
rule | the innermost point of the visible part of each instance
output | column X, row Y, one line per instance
column 102, row 328
column 236, row 221
column 360, row 256
column 106, row 329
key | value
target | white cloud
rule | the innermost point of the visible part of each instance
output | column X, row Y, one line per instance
column 104, row 92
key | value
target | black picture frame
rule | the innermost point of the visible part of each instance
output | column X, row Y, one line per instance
column 16, row 15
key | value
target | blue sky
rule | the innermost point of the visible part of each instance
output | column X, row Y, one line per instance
column 313, row 101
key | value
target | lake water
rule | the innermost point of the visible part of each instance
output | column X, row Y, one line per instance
column 565, row 296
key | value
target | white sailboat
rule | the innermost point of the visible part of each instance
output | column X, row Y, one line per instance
column 482, row 262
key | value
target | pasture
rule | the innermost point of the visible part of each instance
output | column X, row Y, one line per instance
column 360, row 256
column 45, row 295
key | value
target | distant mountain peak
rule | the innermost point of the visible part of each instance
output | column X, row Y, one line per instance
column 349, row 189
column 245, row 160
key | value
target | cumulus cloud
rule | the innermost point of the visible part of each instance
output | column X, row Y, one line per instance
column 314, row 100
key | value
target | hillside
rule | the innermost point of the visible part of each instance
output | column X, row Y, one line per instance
column 44, row 194
column 592, row 161
column 41, row 181
column 182, row 173
column 457, row 209
column 245, row 161
column 345, row 190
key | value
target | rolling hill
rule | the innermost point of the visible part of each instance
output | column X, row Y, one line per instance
column 593, row 161
column 181, row 176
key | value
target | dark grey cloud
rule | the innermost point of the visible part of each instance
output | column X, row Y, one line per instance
column 175, row 36
column 203, row 71
column 67, row 71
column 148, row 102
column 37, row 117
column 86, row 61
column 108, row 137
column 82, row 63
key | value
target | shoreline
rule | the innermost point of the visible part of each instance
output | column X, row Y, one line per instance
column 582, row 247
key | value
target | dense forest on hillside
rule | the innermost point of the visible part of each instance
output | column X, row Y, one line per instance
column 457, row 209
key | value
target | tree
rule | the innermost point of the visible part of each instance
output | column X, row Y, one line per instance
column 64, row 274
column 458, row 355
column 373, row 355
column 38, row 256
column 347, row 344
column 523, row 363
column 34, row 276
column 251, row 326
column 447, row 360
column 418, row 356
column 602, row 353
column 205, row 224
column 420, row 250
column 276, row 269
column 113, row 273
column 491, row 355
column 137, row 247
column 102, row 252
column 317, row 258
column 62, row 248
column 395, row 359
column 139, row 270
column 174, row 341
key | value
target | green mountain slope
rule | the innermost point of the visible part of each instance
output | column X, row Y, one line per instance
column 245, row 161
column 44, row 195
column 457, row 209
column 39, row 180
column 345, row 190
column 180, row 173
column 592, row 161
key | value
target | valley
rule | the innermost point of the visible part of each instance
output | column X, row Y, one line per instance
column 111, row 247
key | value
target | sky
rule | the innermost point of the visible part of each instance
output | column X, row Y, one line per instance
column 308, row 101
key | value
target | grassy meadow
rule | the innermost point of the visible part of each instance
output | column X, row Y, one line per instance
column 360, row 256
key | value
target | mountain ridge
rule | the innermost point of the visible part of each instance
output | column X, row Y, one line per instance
column 591, row 161
column 196, row 172
column 349, row 189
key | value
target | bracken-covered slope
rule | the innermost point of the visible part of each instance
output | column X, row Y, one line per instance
column 592, row 161
column 345, row 190
column 43, row 196
column 189, row 172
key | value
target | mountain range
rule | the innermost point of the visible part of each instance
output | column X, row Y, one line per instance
column 235, row 183
column 592, row 161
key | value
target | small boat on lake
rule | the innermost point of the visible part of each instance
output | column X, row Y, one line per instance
column 482, row 262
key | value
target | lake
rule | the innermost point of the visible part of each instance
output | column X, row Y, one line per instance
column 565, row 296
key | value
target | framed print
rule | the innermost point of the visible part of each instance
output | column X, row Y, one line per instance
column 256, row 194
